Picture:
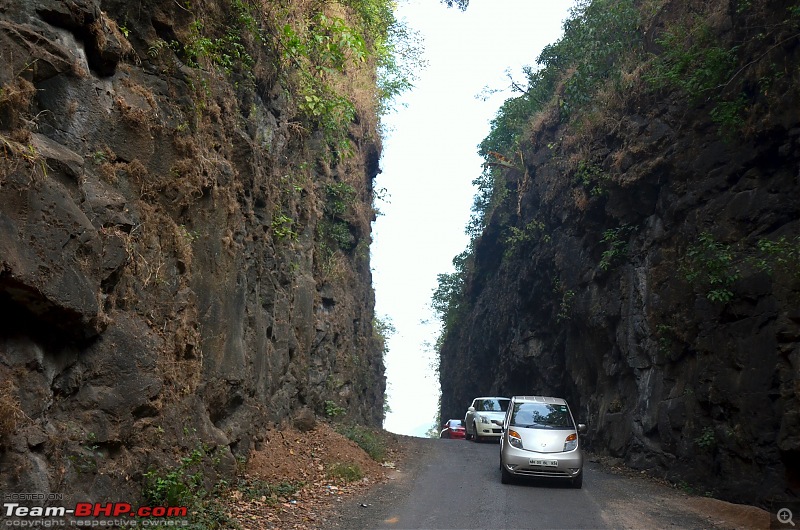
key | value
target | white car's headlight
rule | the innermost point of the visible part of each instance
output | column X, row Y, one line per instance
column 484, row 419
column 571, row 442
column 515, row 439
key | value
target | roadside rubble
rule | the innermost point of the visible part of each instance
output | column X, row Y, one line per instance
column 301, row 464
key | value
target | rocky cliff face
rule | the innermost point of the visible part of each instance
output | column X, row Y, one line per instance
column 183, row 256
column 644, row 265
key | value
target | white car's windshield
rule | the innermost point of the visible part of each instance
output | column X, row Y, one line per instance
column 491, row 405
column 541, row 416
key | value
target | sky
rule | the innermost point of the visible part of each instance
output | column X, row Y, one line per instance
column 430, row 158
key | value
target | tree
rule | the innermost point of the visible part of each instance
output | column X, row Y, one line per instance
column 461, row 4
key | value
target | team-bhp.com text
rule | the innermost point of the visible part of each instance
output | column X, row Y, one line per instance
column 87, row 514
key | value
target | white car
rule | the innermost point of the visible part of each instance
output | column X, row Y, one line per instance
column 541, row 439
column 484, row 419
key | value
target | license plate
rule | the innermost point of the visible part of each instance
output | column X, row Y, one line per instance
column 548, row 463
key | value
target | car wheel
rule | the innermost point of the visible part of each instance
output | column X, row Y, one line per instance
column 477, row 437
column 505, row 475
column 577, row 482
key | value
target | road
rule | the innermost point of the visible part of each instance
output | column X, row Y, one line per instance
column 456, row 484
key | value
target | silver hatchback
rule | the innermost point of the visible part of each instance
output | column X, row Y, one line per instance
column 540, row 439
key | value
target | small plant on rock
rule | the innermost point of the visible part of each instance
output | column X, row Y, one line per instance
column 617, row 246
column 711, row 263
column 332, row 409
column 707, row 439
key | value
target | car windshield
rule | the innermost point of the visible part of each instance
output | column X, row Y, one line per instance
column 454, row 424
column 492, row 405
column 541, row 416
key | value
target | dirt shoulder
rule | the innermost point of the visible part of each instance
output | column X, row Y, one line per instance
column 298, row 479
column 717, row 513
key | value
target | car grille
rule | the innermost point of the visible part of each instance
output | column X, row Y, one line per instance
column 541, row 472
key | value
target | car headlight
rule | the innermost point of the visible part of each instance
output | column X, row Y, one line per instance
column 571, row 443
column 515, row 439
column 484, row 419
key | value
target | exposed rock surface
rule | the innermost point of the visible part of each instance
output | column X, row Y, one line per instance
column 598, row 304
column 165, row 275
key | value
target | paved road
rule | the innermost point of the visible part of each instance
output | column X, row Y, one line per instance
column 456, row 484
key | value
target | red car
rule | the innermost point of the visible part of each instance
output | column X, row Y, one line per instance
column 453, row 429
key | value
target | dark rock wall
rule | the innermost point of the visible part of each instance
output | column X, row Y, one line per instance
column 701, row 391
column 165, row 280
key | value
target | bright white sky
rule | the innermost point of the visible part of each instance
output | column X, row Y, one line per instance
column 429, row 162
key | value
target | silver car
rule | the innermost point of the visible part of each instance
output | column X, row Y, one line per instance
column 484, row 418
column 540, row 439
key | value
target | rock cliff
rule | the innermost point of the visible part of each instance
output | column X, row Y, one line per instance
column 183, row 237
column 643, row 258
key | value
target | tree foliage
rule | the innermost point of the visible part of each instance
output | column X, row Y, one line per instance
column 460, row 4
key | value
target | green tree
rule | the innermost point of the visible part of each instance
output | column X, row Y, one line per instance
column 461, row 4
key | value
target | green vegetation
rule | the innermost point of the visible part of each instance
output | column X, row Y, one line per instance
column 565, row 305
column 336, row 234
column 185, row 485
column 598, row 38
column 326, row 56
column 321, row 50
column 382, row 329
column 188, row 484
column 345, row 472
column 592, row 177
column 707, row 439
column 461, row 4
column 715, row 267
column 282, row 227
column 448, row 300
column 332, row 409
column 711, row 264
column 340, row 198
column 617, row 245
column 368, row 440
column 518, row 237
column 226, row 53
column 782, row 254
column 334, row 230
column 694, row 63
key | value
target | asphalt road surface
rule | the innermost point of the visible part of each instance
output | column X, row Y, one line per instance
column 456, row 484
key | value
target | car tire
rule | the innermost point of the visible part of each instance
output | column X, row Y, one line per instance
column 505, row 476
column 577, row 482
column 477, row 437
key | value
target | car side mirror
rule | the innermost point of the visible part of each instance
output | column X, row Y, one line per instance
column 471, row 409
column 582, row 428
